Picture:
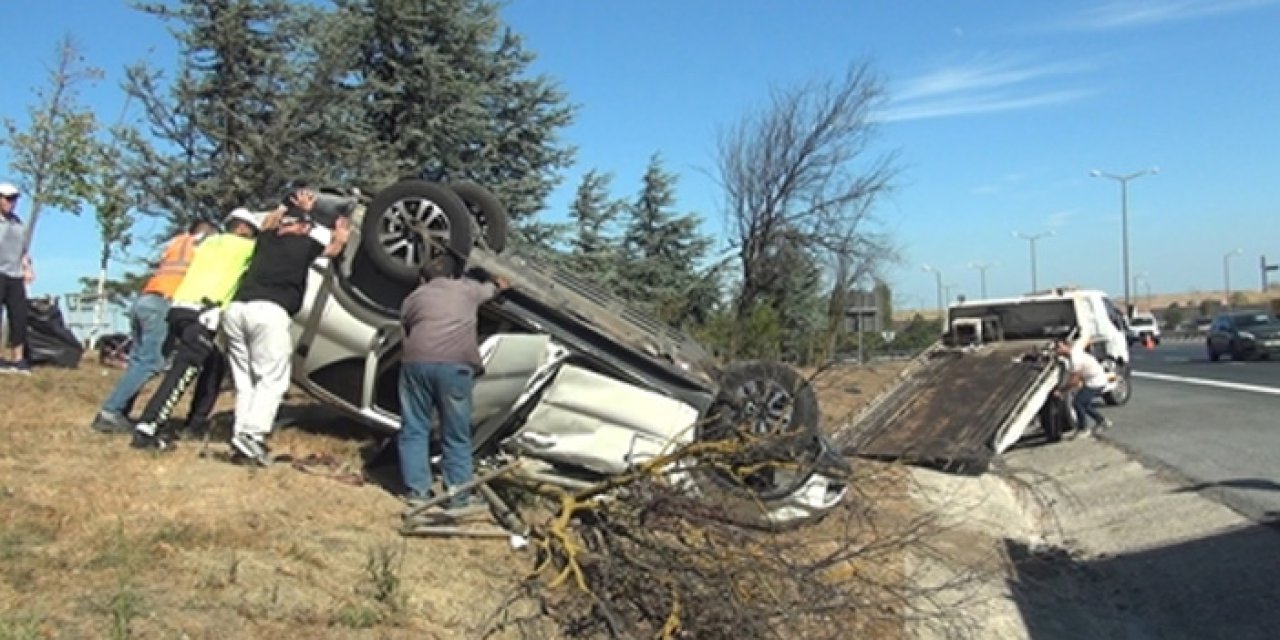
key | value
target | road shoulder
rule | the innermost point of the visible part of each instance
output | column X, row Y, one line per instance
column 1090, row 542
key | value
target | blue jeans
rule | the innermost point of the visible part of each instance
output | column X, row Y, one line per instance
column 149, row 326
column 426, row 387
column 1083, row 404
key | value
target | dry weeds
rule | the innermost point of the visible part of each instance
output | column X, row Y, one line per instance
column 99, row 540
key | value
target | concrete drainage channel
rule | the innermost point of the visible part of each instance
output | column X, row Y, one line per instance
column 1081, row 540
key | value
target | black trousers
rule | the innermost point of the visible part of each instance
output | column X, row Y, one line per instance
column 13, row 296
column 195, row 360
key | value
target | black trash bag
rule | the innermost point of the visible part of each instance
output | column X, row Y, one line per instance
column 49, row 341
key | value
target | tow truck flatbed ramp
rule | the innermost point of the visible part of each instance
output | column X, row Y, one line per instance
column 949, row 406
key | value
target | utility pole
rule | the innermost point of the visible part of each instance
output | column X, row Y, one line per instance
column 982, row 271
column 1124, row 221
column 1031, row 238
column 938, row 275
column 1226, row 273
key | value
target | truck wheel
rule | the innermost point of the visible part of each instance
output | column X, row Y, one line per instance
column 488, row 215
column 393, row 227
column 1120, row 394
column 787, row 473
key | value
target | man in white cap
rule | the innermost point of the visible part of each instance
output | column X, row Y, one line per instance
column 15, row 270
column 208, row 286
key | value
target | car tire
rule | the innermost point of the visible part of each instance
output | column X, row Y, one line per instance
column 488, row 215
column 1121, row 394
column 1214, row 356
column 757, row 399
column 398, row 250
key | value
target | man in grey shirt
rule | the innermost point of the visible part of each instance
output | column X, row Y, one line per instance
column 438, row 366
column 14, row 268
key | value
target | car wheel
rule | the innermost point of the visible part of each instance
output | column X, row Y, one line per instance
column 785, row 473
column 488, row 215
column 1213, row 355
column 392, row 232
column 1123, row 390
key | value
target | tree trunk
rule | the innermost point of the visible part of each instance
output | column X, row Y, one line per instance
column 99, row 307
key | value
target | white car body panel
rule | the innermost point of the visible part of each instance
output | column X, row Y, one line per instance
column 598, row 423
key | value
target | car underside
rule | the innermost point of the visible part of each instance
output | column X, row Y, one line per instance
column 577, row 383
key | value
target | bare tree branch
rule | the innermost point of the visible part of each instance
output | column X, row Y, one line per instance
column 799, row 173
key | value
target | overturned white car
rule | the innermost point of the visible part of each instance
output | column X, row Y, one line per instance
column 577, row 384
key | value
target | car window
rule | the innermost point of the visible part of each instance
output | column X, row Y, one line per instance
column 1253, row 319
column 1113, row 314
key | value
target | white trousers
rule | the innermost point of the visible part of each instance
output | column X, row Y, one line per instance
column 259, row 349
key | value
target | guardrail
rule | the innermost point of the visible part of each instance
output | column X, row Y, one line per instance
column 1182, row 336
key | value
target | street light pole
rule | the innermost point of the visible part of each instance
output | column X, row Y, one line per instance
column 982, row 274
column 1124, row 220
column 1226, row 274
column 938, row 276
column 1031, row 239
column 1137, row 292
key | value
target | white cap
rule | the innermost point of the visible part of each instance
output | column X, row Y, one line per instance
column 8, row 190
column 241, row 213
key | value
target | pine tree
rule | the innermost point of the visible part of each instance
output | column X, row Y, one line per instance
column 663, row 251
column 594, row 251
column 443, row 91
column 231, row 128
column 365, row 93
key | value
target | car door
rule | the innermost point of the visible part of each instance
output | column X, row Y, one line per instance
column 1220, row 334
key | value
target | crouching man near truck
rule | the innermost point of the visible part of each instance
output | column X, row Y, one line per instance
column 1088, row 378
column 210, row 282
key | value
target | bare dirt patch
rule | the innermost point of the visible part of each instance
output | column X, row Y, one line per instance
column 100, row 540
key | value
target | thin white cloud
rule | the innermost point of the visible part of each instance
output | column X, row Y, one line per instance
column 981, row 103
column 1059, row 219
column 984, row 85
column 1007, row 180
column 982, row 74
column 1123, row 14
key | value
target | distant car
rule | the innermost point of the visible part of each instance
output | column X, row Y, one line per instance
column 1141, row 325
column 1244, row 335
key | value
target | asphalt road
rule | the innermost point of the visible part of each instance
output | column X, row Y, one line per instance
column 1216, row 423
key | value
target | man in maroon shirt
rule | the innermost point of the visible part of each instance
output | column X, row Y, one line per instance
column 437, row 371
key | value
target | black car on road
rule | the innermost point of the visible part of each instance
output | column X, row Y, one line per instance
column 1244, row 335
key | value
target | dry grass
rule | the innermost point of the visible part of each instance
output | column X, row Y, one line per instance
column 100, row 540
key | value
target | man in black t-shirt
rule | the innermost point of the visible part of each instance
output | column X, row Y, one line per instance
column 256, row 323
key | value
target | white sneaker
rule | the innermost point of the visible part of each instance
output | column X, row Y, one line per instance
column 251, row 448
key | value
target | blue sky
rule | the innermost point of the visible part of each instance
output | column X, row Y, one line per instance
column 998, row 111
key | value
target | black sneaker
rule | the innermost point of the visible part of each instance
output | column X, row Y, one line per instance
column 111, row 422
column 194, row 429
column 250, row 448
column 151, row 443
